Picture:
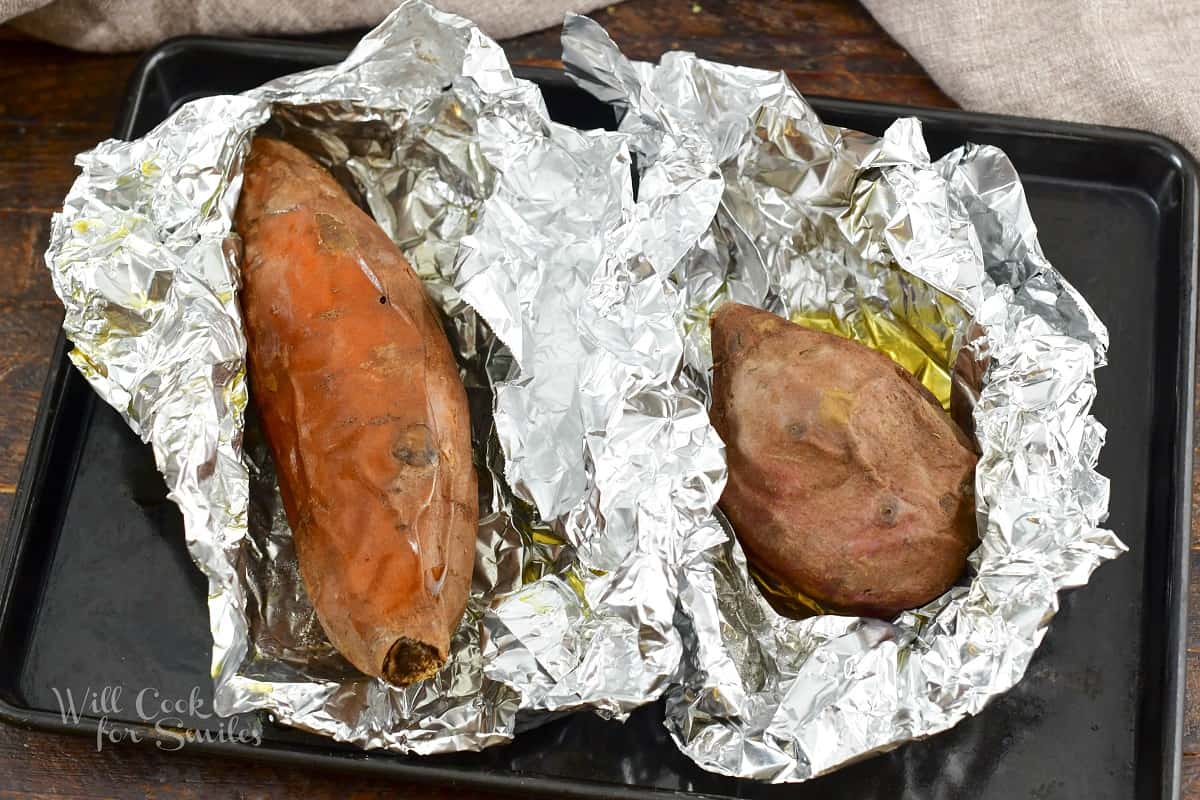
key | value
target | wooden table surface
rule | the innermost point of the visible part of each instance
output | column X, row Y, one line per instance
column 55, row 103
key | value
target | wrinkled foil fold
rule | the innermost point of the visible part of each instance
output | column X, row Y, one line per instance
column 593, row 461
column 605, row 575
column 849, row 232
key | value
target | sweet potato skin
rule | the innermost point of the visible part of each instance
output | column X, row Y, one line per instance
column 366, row 416
column 847, row 481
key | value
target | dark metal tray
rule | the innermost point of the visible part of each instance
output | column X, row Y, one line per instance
column 98, row 590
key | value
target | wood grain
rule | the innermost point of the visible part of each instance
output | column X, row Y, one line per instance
column 23, row 237
column 29, row 330
column 37, row 161
column 59, row 86
column 55, row 103
column 827, row 47
column 30, row 315
column 1190, row 783
column 42, row 765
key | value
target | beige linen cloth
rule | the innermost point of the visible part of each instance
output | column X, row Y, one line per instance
column 1117, row 62
column 1133, row 63
column 118, row 25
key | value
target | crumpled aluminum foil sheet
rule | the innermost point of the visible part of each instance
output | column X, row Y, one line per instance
column 596, row 467
column 604, row 576
column 817, row 222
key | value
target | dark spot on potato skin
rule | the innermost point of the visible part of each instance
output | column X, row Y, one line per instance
column 797, row 430
column 305, row 517
column 735, row 344
column 415, row 447
column 889, row 511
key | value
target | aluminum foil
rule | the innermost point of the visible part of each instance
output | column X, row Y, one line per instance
column 595, row 464
column 869, row 238
column 605, row 577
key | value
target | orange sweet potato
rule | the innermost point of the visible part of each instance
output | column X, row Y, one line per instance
column 365, row 413
column 848, row 484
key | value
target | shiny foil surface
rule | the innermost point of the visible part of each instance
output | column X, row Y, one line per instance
column 596, row 466
column 936, row 263
column 605, row 576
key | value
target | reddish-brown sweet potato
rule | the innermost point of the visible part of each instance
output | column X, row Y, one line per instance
column 365, row 413
column 848, row 484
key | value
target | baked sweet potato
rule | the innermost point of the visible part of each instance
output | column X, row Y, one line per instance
column 848, row 484
column 366, row 416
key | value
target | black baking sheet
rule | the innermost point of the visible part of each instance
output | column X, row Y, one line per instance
column 98, row 589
